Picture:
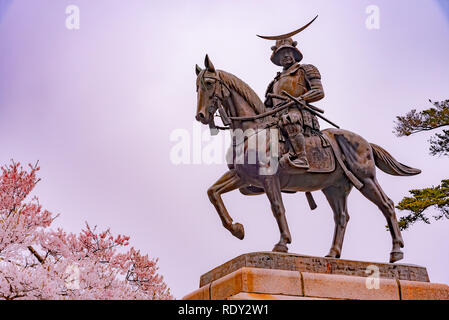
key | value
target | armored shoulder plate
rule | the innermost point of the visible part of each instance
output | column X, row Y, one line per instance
column 311, row 71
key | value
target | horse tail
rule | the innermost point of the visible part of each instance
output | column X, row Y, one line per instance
column 385, row 162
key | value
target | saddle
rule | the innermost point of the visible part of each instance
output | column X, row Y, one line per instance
column 318, row 151
column 320, row 155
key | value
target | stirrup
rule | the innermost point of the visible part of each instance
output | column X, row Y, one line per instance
column 300, row 162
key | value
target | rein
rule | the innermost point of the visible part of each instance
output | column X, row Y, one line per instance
column 227, row 119
column 218, row 96
column 283, row 106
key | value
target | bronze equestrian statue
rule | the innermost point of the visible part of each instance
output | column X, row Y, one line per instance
column 332, row 160
column 301, row 81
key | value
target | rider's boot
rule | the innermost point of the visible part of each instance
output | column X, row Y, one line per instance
column 297, row 157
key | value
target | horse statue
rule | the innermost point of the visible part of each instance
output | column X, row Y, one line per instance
column 351, row 162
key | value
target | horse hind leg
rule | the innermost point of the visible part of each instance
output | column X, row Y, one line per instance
column 228, row 182
column 337, row 198
column 374, row 192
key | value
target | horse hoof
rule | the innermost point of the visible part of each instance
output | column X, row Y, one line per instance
column 396, row 256
column 280, row 248
column 238, row 231
column 333, row 254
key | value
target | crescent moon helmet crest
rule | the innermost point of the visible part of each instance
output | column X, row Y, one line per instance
column 288, row 35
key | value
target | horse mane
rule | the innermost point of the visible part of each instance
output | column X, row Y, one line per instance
column 242, row 89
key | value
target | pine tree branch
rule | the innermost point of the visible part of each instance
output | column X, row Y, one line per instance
column 422, row 199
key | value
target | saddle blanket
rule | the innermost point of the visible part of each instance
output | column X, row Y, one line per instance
column 319, row 154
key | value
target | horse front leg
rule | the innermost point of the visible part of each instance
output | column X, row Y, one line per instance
column 228, row 182
column 273, row 191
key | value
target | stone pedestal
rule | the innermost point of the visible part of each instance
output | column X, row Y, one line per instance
column 284, row 276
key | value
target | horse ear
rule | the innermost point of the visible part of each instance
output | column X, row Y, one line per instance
column 197, row 69
column 208, row 64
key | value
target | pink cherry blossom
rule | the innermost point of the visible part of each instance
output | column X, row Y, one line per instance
column 37, row 262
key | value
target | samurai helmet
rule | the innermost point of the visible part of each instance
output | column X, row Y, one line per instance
column 283, row 44
column 285, row 41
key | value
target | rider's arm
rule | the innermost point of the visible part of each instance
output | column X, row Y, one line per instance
column 316, row 91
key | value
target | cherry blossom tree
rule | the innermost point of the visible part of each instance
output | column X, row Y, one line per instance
column 37, row 262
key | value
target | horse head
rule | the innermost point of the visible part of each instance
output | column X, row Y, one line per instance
column 208, row 92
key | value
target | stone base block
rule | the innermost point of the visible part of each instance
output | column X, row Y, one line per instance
column 274, row 276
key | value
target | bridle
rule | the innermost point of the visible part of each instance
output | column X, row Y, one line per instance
column 221, row 92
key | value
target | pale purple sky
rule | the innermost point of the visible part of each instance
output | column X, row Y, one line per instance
column 96, row 107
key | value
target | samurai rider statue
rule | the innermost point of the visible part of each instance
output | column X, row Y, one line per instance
column 302, row 81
